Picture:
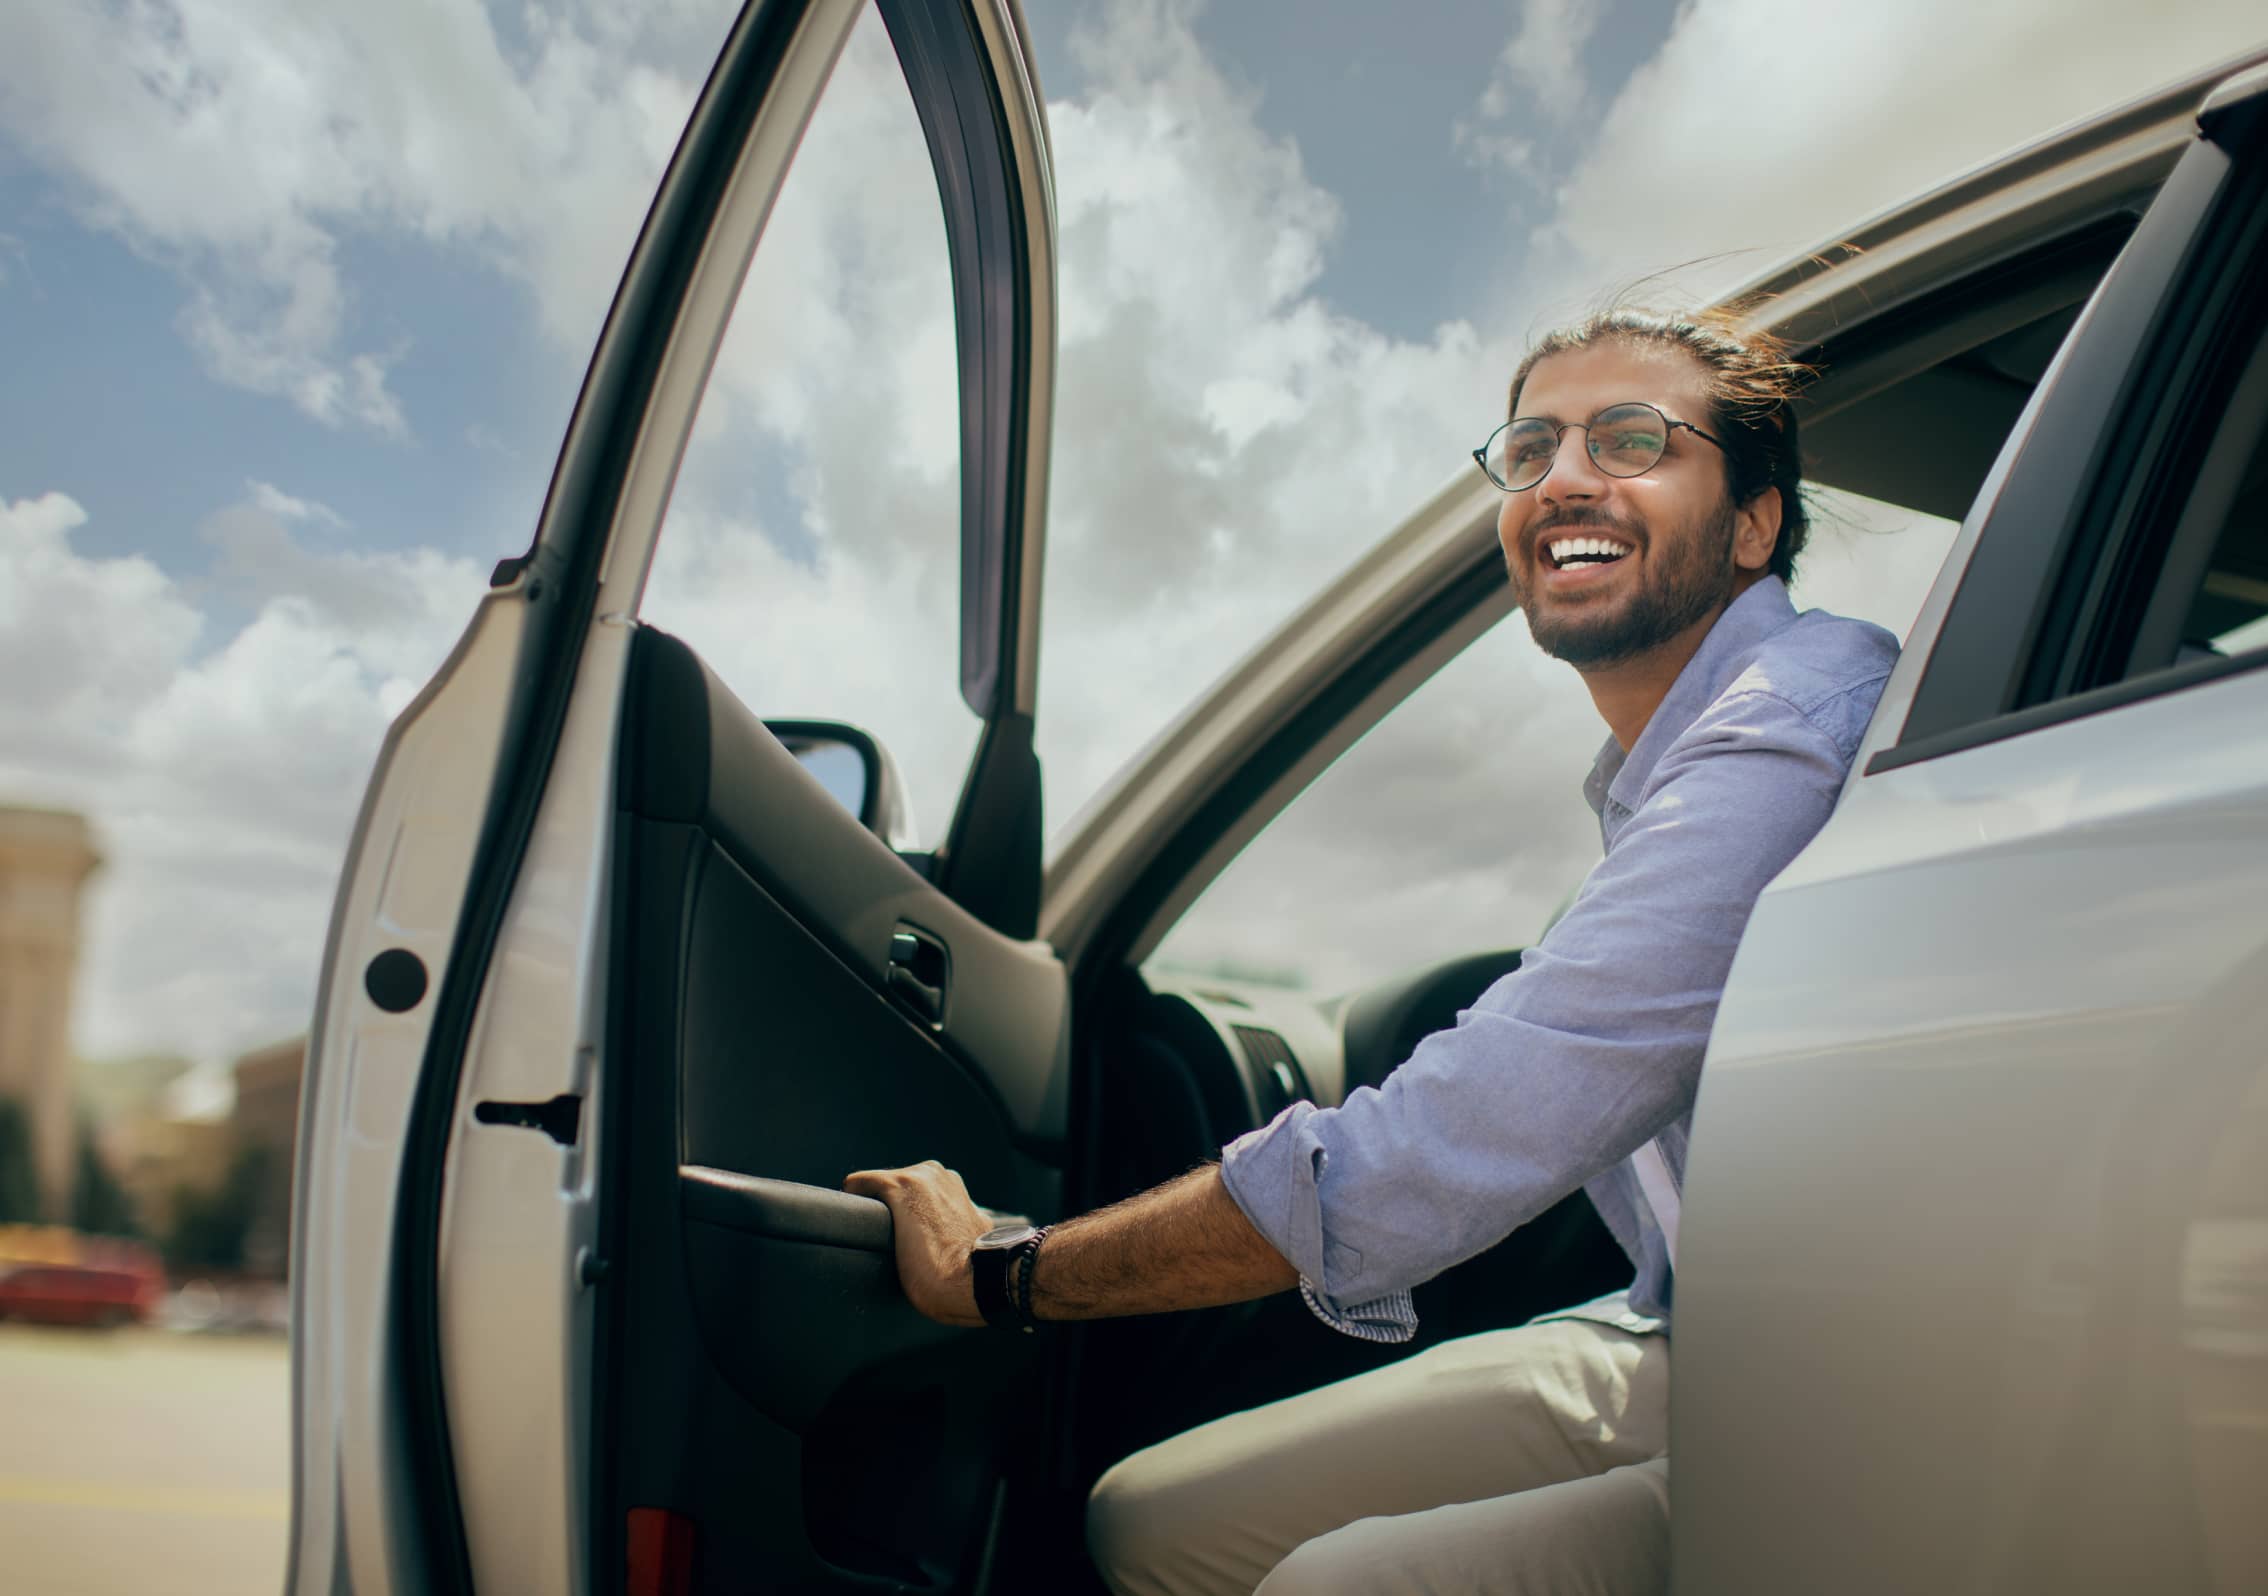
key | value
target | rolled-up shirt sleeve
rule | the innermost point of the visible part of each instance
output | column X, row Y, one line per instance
column 1564, row 1067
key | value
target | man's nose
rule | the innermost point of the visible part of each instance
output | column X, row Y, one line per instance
column 1573, row 476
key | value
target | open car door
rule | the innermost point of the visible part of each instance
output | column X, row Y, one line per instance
column 617, row 993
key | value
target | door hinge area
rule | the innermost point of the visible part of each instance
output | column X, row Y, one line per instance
column 561, row 1119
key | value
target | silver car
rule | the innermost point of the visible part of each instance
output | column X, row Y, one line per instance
column 623, row 979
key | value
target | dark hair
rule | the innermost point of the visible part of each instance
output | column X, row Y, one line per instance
column 1751, row 384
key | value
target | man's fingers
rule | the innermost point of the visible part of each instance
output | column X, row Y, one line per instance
column 886, row 1183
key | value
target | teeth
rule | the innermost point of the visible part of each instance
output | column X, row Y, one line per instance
column 1562, row 550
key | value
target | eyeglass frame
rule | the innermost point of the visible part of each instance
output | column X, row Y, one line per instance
column 1559, row 436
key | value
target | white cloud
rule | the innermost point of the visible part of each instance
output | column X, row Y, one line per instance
column 1765, row 127
column 249, row 143
column 272, row 500
column 1536, row 88
column 221, row 782
column 1225, row 439
column 83, row 644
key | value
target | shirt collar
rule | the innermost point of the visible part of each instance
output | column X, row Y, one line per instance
column 1747, row 621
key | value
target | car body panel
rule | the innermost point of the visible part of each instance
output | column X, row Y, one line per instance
column 1975, row 1275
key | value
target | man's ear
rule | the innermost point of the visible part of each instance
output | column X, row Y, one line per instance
column 1756, row 530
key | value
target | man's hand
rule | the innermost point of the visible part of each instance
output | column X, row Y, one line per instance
column 935, row 1225
column 1181, row 1245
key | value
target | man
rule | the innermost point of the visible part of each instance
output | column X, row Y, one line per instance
column 1651, row 516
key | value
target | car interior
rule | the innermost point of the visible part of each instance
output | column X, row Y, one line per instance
column 802, row 1001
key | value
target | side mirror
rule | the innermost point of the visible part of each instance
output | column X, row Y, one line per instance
column 856, row 770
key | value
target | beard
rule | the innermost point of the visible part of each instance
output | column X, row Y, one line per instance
column 1683, row 579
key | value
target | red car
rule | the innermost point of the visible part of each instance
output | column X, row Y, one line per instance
column 97, row 1294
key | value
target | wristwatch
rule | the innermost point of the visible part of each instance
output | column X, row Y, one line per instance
column 1000, row 1268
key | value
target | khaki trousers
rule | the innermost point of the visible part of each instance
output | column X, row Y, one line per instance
column 1521, row 1461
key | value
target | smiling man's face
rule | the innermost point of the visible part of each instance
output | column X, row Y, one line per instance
column 1608, row 567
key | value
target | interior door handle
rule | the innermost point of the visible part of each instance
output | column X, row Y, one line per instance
column 919, row 973
column 784, row 1210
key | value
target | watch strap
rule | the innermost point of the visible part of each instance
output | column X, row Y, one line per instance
column 988, row 1277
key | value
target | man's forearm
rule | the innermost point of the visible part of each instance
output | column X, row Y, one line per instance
column 1185, row 1244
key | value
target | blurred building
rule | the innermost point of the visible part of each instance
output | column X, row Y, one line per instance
column 159, row 1161
column 266, row 1119
column 46, row 856
column 136, row 1086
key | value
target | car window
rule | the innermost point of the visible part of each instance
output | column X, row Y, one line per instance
column 2222, row 610
column 2120, row 557
column 1457, row 823
column 2181, row 584
column 811, row 551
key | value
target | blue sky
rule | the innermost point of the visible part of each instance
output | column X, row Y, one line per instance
column 295, row 296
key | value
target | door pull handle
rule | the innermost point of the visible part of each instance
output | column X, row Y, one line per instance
column 919, row 972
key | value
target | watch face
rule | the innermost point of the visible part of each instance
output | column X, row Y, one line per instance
column 1005, row 1236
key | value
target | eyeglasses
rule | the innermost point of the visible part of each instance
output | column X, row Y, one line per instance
column 1622, row 440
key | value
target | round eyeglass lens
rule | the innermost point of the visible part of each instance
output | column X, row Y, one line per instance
column 1627, row 439
column 1521, row 452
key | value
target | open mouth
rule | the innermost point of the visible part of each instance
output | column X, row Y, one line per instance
column 1566, row 554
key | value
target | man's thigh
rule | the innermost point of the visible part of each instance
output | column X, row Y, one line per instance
column 1607, row 1535
column 1493, row 1415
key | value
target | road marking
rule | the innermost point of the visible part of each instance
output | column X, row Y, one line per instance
column 145, row 1498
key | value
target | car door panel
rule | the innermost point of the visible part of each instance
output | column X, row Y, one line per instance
column 694, row 754
column 2039, row 1081
column 766, row 1378
column 794, row 1066
column 752, row 1243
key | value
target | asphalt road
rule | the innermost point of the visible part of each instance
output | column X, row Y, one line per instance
column 142, row 1461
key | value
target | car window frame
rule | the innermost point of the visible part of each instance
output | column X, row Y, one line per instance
column 2214, row 468
column 2075, row 522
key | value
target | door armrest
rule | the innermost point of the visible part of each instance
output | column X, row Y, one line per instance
column 783, row 1210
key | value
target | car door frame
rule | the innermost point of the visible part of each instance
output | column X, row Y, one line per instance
column 518, row 728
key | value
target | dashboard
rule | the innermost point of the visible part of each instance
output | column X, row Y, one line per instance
column 1256, row 1049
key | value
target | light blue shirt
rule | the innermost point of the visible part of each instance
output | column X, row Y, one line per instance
column 1592, row 1048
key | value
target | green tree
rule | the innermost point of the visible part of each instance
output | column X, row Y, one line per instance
column 99, row 1205
column 19, row 1177
column 209, row 1227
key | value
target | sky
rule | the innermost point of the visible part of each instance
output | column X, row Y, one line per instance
column 295, row 296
